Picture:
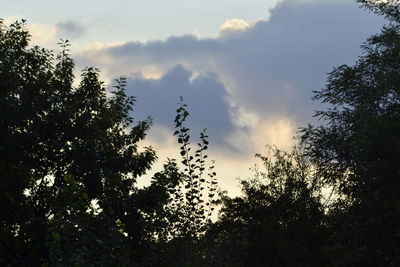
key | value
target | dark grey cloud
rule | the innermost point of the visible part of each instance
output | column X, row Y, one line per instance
column 277, row 63
column 269, row 69
column 204, row 94
column 164, row 50
column 70, row 29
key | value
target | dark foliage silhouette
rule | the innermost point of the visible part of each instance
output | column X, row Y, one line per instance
column 357, row 151
column 62, row 148
column 69, row 161
column 278, row 219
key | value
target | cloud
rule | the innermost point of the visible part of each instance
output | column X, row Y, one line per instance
column 204, row 94
column 48, row 35
column 236, row 27
column 70, row 29
column 250, row 86
column 42, row 34
column 254, row 82
column 232, row 26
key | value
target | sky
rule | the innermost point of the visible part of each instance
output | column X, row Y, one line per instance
column 246, row 68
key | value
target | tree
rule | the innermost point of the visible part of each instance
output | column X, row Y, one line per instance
column 278, row 221
column 388, row 8
column 69, row 160
column 192, row 200
column 357, row 150
column 63, row 148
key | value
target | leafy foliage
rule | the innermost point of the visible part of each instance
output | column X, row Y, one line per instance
column 194, row 199
column 277, row 221
column 358, row 151
column 388, row 8
column 196, row 184
column 69, row 160
column 63, row 147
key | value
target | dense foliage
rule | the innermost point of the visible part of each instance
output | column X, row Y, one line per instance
column 278, row 219
column 388, row 8
column 358, row 151
column 69, row 161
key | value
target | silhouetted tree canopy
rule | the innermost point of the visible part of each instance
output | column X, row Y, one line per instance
column 388, row 8
column 358, row 152
column 278, row 219
column 61, row 148
column 69, row 162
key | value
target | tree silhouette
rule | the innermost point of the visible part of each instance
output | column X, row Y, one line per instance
column 69, row 160
column 61, row 148
column 388, row 8
column 278, row 219
column 193, row 199
column 358, row 151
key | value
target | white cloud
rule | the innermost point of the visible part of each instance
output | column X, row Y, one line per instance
column 277, row 131
column 43, row 34
column 233, row 25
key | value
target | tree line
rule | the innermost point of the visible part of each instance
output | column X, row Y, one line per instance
column 69, row 162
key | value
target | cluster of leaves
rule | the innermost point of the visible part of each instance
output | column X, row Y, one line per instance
column 196, row 184
column 69, row 160
column 193, row 200
column 388, row 8
column 358, row 151
column 277, row 219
